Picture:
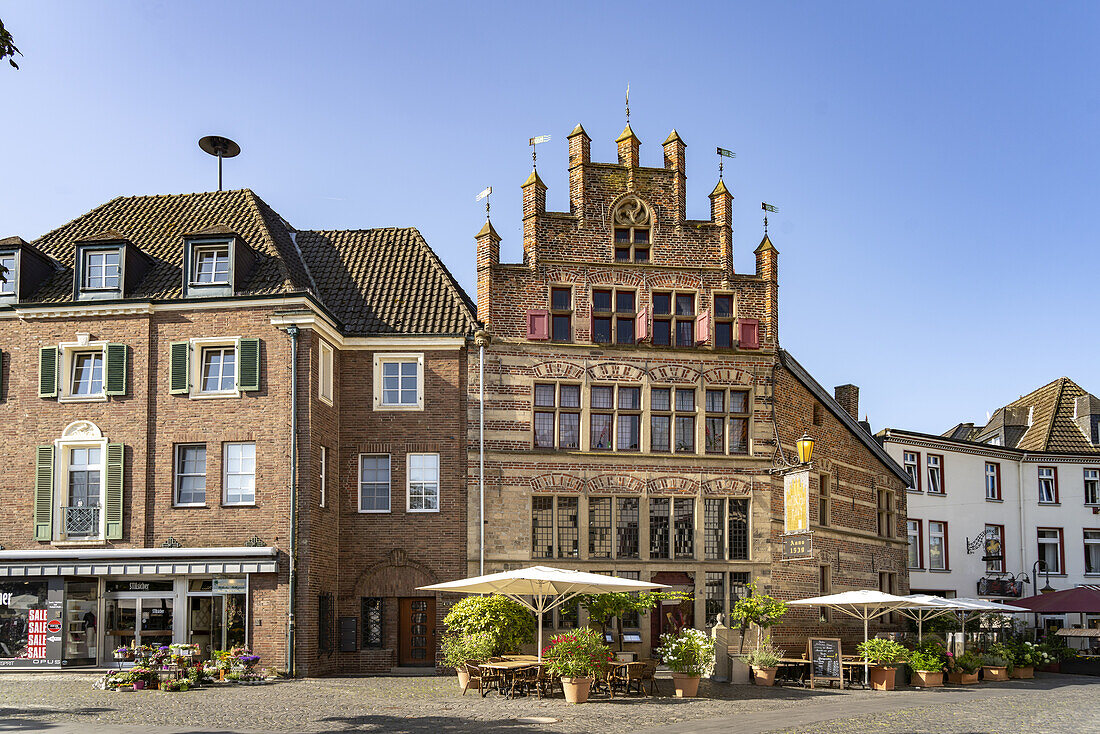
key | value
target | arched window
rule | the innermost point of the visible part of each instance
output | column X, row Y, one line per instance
column 632, row 224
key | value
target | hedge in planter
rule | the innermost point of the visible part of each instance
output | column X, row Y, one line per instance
column 928, row 664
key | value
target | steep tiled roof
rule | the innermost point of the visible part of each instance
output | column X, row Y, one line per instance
column 379, row 281
column 384, row 281
column 1050, row 413
column 156, row 225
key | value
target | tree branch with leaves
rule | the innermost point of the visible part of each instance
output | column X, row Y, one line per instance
column 8, row 49
column 602, row 608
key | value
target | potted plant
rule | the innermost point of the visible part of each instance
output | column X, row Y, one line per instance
column 124, row 652
column 884, row 656
column 1025, row 656
column 460, row 648
column 689, row 653
column 963, row 669
column 763, row 661
column 576, row 657
column 928, row 663
column 994, row 667
column 508, row 623
column 755, row 610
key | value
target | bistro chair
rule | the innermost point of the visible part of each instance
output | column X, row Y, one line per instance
column 474, row 672
column 489, row 678
column 545, row 680
column 523, row 679
column 649, row 675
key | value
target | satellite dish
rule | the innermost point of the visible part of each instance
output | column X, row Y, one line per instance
column 221, row 147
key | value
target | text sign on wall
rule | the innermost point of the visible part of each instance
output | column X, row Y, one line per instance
column 798, row 545
column 824, row 659
column 796, row 502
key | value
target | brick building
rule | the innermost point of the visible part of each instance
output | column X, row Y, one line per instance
column 216, row 423
column 637, row 404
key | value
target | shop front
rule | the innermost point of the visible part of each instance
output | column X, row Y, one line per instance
column 61, row 608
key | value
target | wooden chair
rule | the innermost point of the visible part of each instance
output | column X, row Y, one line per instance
column 617, row 677
column 488, row 678
column 475, row 676
column 649, row 674
column 545, row 680
column 523, row 679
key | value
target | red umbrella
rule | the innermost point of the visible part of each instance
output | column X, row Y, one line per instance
column 1078, row 600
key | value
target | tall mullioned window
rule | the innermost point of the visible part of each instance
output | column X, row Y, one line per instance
column 599, row 527
column 626, row 527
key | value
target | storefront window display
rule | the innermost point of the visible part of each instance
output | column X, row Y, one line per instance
column 81, row 632
column 217, row 613
column 22, row 614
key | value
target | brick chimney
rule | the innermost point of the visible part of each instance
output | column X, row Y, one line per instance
column 580, row 153
column 676, row 160
column 721, row 213
column 767, row 269
column 848, row 397
column 488, row 255
column 628, row 148
column 534, row 204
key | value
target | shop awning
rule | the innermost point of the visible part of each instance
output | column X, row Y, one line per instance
column 137, row 561
column 1078, row 600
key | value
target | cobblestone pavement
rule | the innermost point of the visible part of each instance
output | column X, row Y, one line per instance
column 67, row 702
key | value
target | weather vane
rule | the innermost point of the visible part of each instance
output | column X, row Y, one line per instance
column 723, row 153
column 485, row 195
column 767, row 208
column 533, row 142
column 628, row 103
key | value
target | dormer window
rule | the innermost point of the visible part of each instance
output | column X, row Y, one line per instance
column 632, row 224
column 211, row 265
column 102, row 270
column 7, row 273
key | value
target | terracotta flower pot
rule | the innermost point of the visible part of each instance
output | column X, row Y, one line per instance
column 463, row 677
column 576, row 689
column 882, row 678
column 1023, row 672
column 994, row 672
column 686, row 686
column 963, row 679
column 763, row 676
column 926, row 678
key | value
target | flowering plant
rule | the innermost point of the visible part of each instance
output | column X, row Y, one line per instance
column 929, row 657
column 577, row 654
column 968, row 662
column 767, row 655
column 689, row 651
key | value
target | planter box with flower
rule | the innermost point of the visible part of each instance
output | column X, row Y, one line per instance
column 461, row 649
column 885, row 656
column 1025, row 656
column 763, row 661
column 689, row 653
column 760, row 611
column 577, row 657
column 928, row 663
column 963, row 669
column 996, row 662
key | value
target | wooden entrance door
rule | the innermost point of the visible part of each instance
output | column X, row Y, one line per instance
column 416, row 632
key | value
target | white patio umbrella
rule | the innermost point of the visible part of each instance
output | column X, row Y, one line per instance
column 864, row 604
column 931, row 607
column 541, row 588
column 967, row 608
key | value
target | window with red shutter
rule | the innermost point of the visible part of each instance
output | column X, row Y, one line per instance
column 538, row 324
column 641, row 325
column 702, row 327
column 748, row 336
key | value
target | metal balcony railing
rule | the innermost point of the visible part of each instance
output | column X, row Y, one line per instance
column 80, row 522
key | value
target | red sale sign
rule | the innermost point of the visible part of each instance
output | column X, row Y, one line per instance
column 36, row 633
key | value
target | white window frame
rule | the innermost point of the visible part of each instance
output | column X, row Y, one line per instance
column 938, row 472
column 1092, row 476
column 909, row 459
column 198, row 346
column 85, row 255
column 409, row 483
column 78, row 435
column 913, row 536
column 1052, row 479
column 67, row 357
column 324, row 373
column 1056, row 541
column 225, row 474
column 1091, row 543
column 381, row 359
column 196, row 249
column 322, row 477
column 992, row 481
column 359, row 486
column 993, row 530
column 177, row 475
column 7, row 287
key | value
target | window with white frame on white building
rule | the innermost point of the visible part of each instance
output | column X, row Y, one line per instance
column 935, row 474
column 1048, row 485
column 913, row 529
column 992, row 481
column 994, row 541
column 240, row 473
column 374, row 483
column 911, row 461
column 937, row 545
column 1092, row 486
column 1092, row 551
column 1050, row 549
column 423, row 483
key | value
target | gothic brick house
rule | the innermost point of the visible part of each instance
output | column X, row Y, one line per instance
column 217, row 425
column 637, row 404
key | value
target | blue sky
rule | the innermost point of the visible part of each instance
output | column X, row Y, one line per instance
column 935, row 164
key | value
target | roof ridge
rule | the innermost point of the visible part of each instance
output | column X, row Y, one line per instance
column 1054, row 411
column 464, row 298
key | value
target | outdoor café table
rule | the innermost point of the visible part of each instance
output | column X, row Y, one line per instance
column 800, row 666
column 507, row 669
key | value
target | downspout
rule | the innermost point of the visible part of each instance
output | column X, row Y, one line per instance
column 292, row 330
column 482, row 338
column 1020, row 502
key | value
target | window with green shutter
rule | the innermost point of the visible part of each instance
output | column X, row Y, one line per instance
column 112, row 495
column 43, row 494
column 47, row 372
column 179, row 369
column 248, row 357
column 117, row 359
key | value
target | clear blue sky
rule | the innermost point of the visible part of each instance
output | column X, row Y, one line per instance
column 935, row 164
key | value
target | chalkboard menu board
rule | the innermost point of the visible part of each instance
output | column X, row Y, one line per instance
column 824, row 659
